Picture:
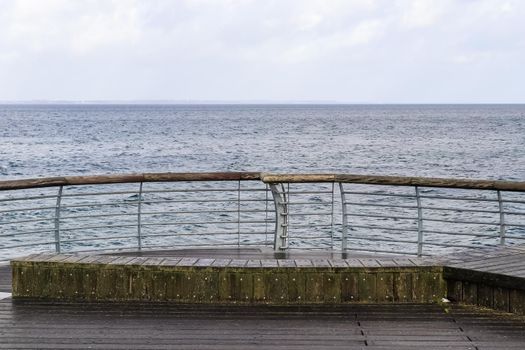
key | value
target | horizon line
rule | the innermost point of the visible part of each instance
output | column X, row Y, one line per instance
column 234, row 102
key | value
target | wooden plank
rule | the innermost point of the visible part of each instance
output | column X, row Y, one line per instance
column 485, row 296
column 331, row 288
column 288, row 263
column 396, row 181
column 470, row 292
column 314, row 287
column 165, row 326
column 367, row 287
column 501, row 299
column 428, row 286
column 265, row 177
column 204, row 262
column 495, row 263
column 336, row 263
column 253, row 263
column 221, row 262
column 170, row 262
column 370, row 262
column 187, row 261
column 235, row 286
column 455, row 290
column 176, row 285
column 297, row 286
column 385, row 287
column 302, row 262
column 517, row 301
column 265, row 263
column 321, row 263
column 404, row 262
column 403, row 288
column 125, row 178
column 5, row 278
column 271, row 288
column 481, row 277
column 349, row 287
column 387, row 262
column 354, row 263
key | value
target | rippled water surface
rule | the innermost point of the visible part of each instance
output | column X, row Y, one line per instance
column 479, row 142
column 446, row 140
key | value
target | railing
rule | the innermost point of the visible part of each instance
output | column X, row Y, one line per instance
column 335, row 212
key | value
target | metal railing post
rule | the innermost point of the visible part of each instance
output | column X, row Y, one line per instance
column 502, row 228
column 281, row 218
column 419, row 223
column 239, row 214
column 344, row 238
column 266, row 215
column 139, row 218
column 332, row 219
column 57, row 220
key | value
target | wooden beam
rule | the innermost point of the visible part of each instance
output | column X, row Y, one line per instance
column 265, row 177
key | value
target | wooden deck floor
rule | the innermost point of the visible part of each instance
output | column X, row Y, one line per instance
column 30, row 325
column 508, row 261
column 33, row 324
column 5, row 279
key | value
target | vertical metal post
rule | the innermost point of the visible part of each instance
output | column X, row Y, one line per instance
column 332, row 220
column 139, row 218
column 502, row 228
column 239, row 214
column 57, row 219
column 281, row 218
column 344, row 238
column 266, row 215
column 419, row 223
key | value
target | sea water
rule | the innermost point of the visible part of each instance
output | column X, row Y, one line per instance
column 457, row 141
column 468, row 141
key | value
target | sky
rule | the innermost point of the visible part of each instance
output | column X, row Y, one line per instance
column 345, row 51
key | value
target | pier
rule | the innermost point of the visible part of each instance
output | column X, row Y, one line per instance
column 242, row 260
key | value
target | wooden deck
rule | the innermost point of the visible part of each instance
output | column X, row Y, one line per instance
column 508, row 261
column 5, row 279
column 31, row 324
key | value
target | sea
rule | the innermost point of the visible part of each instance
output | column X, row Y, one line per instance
column 453, row 141
column 467, row 141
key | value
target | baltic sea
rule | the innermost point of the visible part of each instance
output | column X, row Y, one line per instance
column 457, row 141
column 467, row 141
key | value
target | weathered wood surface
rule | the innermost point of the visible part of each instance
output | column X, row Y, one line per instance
column 5, row 278
column 190, row 279
column 265, row 177
column 125, row 178
column 509, row 261
column 32, row 325
column 301, row 258
column 489, row 277
column 492, row 278
column 396, row 181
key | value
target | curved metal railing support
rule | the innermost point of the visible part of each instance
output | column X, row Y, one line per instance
column 281, row 217
column 57, row 219
column 381, row 211
column 344, row 218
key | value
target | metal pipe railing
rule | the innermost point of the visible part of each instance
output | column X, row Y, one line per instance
column 370, row 213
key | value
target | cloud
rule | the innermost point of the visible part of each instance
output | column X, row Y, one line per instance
column 422, row 13
column 353, row 50
column 74, row 26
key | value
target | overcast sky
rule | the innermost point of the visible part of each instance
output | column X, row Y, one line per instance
column 353, row 51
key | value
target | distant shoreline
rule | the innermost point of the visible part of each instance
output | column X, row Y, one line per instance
column 241, row 103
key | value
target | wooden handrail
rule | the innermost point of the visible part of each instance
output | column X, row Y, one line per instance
column 125, row 178
column 397, row 181
column 265, row 177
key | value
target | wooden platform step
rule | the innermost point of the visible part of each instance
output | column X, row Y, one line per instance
column 204, row 280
